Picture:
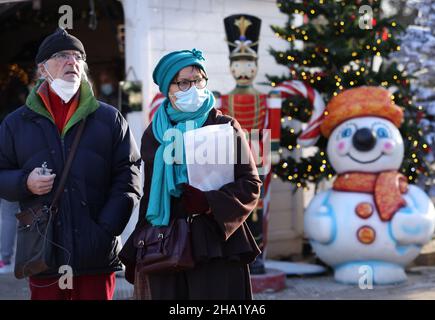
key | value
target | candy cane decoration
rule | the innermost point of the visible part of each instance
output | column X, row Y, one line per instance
column 311, row 134
column 155, row 104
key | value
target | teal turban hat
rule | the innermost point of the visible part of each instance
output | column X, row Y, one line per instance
column 173, row 62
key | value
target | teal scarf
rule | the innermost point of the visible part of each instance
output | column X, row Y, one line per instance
column 168, row 178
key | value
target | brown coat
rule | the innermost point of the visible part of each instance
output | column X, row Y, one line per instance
column 224, row 234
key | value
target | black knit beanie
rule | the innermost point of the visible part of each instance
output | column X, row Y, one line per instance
column 58, row 41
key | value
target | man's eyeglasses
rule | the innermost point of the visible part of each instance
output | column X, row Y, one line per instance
column 185, row 84
column 64, row 56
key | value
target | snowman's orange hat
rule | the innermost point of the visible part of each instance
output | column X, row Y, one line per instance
column 363, row 101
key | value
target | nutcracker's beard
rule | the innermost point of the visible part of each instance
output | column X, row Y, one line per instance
column 244, row 80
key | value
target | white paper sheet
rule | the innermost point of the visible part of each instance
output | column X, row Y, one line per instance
column 210, row 156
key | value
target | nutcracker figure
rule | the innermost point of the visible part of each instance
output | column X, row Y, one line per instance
column 255, row 111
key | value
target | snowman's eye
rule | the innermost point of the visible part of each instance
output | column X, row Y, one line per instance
column 382, row 133
column 346, row 133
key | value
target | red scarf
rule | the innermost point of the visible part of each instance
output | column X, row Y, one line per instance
column 59, row 110
column 387, row 188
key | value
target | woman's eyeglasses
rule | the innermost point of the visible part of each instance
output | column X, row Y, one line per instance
column 185, row 84
column 64, row 56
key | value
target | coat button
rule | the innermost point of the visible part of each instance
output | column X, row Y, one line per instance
column 83, row 203
column 364, row 210
column 52, row 152
column 366, row 235
column 58, row 223
column 65, row 190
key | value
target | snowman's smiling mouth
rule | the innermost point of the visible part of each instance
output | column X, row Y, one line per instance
column 364, row 162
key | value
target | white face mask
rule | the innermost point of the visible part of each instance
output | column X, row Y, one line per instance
column 64, row 89
column 190, row 100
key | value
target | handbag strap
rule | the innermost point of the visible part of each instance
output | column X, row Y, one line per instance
column 67, row 166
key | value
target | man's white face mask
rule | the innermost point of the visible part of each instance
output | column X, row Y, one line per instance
column 64, row 89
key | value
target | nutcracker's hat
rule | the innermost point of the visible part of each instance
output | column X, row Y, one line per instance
column 243, row 31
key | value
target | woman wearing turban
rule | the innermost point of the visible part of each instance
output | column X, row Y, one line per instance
column 222, row 243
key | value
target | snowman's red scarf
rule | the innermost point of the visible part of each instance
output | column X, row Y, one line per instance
column 387, row 189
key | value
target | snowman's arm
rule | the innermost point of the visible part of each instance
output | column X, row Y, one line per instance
column 415, row 223
column 319, row 222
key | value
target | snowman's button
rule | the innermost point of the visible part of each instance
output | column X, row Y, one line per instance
column 364, row 210
column 366, row 235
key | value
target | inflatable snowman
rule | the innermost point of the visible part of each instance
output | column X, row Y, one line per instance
column 371, row 219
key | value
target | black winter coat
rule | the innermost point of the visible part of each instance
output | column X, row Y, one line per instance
column 101, row 191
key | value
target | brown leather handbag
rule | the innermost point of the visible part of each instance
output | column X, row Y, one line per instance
column 164, row 249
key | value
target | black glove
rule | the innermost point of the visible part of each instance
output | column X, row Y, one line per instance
column 194, row 200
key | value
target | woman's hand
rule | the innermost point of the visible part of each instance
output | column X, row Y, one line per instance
column 194, row 200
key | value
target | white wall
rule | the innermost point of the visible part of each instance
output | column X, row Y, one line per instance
column 187, row 24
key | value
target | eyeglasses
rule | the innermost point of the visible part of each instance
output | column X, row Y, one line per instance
column 64, row 56
column 185, row 84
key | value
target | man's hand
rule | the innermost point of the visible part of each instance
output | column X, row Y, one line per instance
column 40, row 184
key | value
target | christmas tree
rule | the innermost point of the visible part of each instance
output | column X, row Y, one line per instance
column 416, row 56
column 341, row 45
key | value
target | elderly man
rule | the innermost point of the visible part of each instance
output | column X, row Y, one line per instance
column 103, row 184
